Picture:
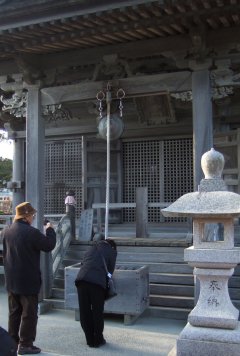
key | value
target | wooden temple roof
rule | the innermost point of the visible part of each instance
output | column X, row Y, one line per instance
column 63, row 42
column 46, row 27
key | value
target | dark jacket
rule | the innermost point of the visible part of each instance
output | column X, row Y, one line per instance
column 8, row 346
column 92, row 269
column 22, row 244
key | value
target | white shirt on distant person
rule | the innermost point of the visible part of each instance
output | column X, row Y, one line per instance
column 70, row 200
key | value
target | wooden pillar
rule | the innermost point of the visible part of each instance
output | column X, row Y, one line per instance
column 202, row 116
column 202, row 126
column 18, row 174
column 35, row 154
column 35, row 174
column 238, row 158
column 142, row 212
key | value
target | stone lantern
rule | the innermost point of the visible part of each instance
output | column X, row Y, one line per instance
column 213, row 327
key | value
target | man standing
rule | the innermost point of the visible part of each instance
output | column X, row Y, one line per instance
column 22, row 244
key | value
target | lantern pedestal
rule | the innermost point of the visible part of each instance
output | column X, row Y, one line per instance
column 214, row 308
column 213, row 268
column 203, row 341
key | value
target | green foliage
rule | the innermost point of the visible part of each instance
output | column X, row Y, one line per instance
column 5, row 171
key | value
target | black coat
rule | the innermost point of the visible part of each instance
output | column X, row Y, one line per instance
column 8, row 346
column 92, row 269
column 22, row 244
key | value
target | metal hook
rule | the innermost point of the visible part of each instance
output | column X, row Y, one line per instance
column 120, row 93
column 109, row 86
column 100, row 95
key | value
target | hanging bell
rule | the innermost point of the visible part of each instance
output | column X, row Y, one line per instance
column 116, row 127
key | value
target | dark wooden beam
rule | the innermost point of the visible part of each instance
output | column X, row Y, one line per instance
column 135, row 49
column 223, row 38
column 135, row 86
column 8, row 67
column 229, row 119
column 24, row 13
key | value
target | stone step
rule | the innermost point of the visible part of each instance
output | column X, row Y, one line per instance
column 234, row 282
column 171, row 310
column 143, row 257
column 128, row 246
column 58, row 283
column 58, row 293
column 236, row 303
column 161, row 267
column 164, row 296
column 237, row 271
column 60, row 273
column 116, row 233
column 172, row 301
column 171, row 278
column 171, row 289
column 155, row 289
column 69, row 262
column 55, row 303
column 167, row 290
column 234, row 293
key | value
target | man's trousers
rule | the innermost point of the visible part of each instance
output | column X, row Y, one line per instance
column 91, row 305
column 23, row 317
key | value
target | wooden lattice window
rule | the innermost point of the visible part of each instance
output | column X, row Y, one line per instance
column 178, row 170
column 63, row 171
column 165, row 167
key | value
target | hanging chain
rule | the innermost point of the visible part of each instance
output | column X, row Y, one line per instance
column 120, row 96
column 100, row 97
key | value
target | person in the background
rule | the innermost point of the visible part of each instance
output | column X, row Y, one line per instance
column 22, row 244
column 91, row 283
column 70, row 203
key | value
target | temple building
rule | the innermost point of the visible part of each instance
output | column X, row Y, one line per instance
column 173, row 70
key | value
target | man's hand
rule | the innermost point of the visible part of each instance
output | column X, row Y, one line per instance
column 49, row 225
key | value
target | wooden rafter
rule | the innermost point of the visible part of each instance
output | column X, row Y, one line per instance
column 142, row 21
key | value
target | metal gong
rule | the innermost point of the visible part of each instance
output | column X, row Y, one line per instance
column 116, row 127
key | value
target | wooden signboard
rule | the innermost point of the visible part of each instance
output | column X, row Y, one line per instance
column 86, row 225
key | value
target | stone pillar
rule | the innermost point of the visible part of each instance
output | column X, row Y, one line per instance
column 35, row 173
column 202, row 116
column 18, row 171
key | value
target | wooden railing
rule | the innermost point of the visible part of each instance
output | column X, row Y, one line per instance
column 141, row 205
column 63, row 233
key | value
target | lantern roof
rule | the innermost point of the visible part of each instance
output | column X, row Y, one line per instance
column 212, row 199
column 205, row 204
